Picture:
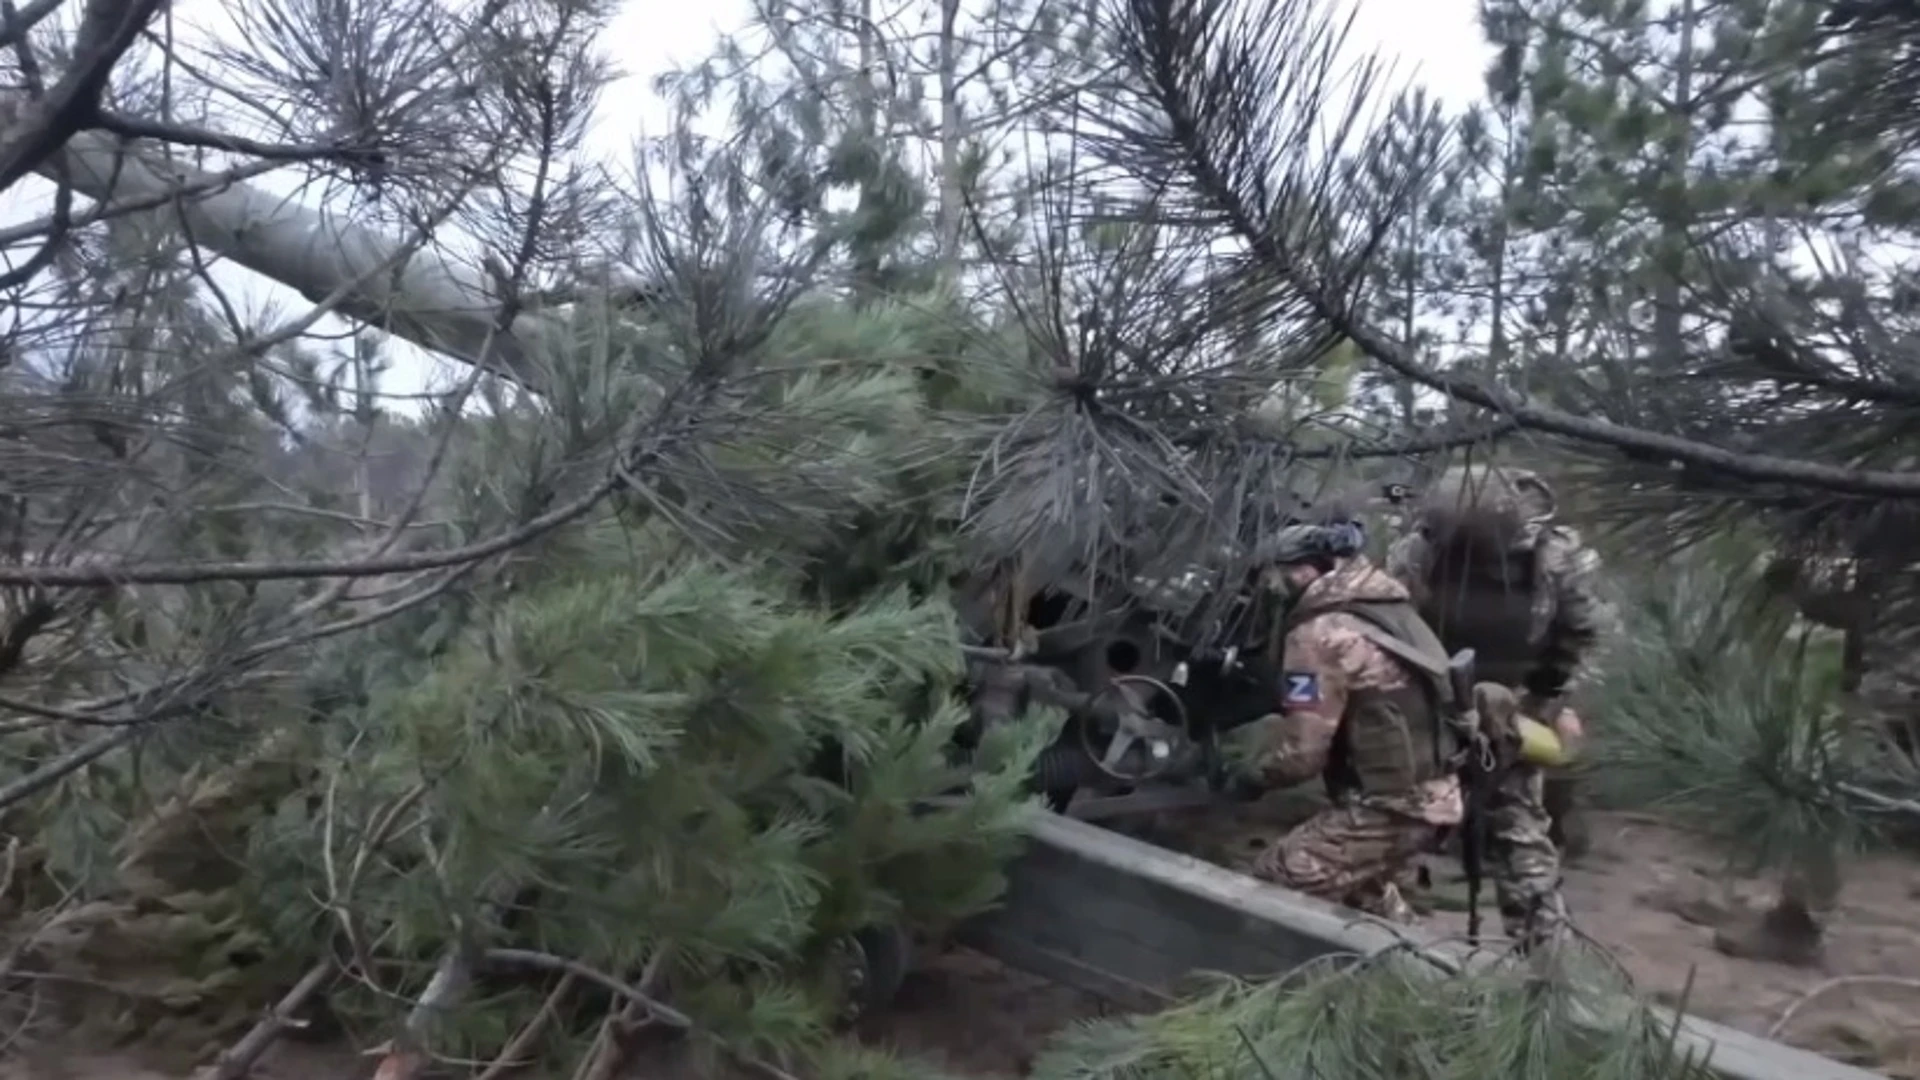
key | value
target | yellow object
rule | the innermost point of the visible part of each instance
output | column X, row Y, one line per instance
column 1540, row 745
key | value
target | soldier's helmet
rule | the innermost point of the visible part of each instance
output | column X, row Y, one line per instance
column 1505, row 491
column 1301, row 542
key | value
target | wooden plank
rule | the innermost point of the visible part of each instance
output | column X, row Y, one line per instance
column 1129, row 921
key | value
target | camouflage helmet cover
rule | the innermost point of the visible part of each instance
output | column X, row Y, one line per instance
column 1501, row 489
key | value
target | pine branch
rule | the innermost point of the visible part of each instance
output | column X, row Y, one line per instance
column 514, row 1055
column 413, row 562
column 1719, row 706
column 1215, row 115
column 180, row 695
column 134, row 127
column 655, row 1009
column 540, row 961
column 1325, row 1021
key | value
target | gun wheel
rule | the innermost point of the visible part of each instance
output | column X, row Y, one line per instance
column 873, row 964
column 1137, row 728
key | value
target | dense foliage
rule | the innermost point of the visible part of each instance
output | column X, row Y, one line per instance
column 632, row 646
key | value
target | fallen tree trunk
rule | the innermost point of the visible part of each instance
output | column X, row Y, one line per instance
column 427, row 300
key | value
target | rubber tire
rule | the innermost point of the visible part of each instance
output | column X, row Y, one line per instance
column 886, row 954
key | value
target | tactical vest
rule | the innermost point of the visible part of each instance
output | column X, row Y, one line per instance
column 1484, row 602
column 1393, row 740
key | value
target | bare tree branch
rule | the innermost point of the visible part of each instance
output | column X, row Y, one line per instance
column 52, row 772
column 135, row 127
column 187, row 574
column 238, row 1060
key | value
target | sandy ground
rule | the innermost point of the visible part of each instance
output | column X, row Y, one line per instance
column 1653, row 895
column 1649, row 892
column 974, row 1017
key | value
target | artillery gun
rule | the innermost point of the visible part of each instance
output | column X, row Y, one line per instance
column 1150, row 669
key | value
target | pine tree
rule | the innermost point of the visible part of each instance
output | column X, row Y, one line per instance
column 1662, row 144
column 896, row 133
column 1415, row 260
column 693, row 764
column 680, row 769
column 638, row 736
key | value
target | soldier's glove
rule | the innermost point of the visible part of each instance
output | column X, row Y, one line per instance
column 1540, row 706
column 1553, row 713
column 1242, row 787
column 1238, row 785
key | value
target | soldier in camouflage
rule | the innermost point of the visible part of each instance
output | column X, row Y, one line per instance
column 1350, row 708
column 1491, row 572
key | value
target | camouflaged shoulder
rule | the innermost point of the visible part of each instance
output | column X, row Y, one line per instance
column 1571, row 567
column 1406, row 558
column 1589, row 621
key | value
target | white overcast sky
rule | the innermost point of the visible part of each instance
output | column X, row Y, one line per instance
column 1434, row 42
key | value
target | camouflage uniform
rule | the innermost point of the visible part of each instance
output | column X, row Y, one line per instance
column 1538, row 635
column 1349, row 706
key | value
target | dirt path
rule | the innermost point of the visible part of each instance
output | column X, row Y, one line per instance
column 974, row 1017
column 1654, row 895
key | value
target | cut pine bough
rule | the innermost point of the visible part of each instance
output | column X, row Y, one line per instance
column 1128, row 921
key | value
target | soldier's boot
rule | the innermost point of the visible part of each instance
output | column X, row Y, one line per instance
column 1383, row 901
column 1789, row 932
column 1536, row 924
column 1393, row 907
column 1786, row 934
column 1415, row 884
column 1561, row 795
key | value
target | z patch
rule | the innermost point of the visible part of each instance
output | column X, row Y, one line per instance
column 1300, row 688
